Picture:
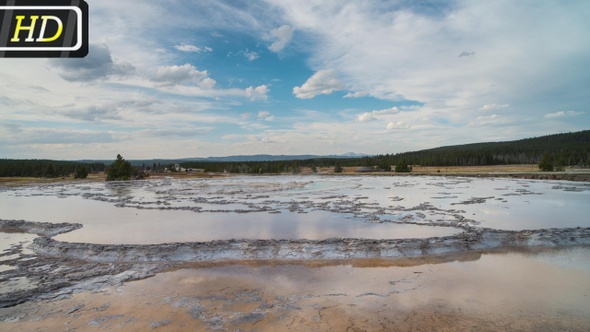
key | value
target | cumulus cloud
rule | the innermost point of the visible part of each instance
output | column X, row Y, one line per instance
column 250, row 55
column 405, row 52
column 493, row 119
column 187, row 73
column 97, row 65
column 264, row 115
column 397, row 125
column 357, row 94
column 189, row 48
column 259, row 92
column 173, row 132
column 279, row 38
column 490, row 107
column 372, row 116
column 266, row 140
column 562, row 114
column 323, row 82
column 366, row 117
column 489, row 117
column 393, row 110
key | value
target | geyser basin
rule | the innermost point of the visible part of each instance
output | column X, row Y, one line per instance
column 296, row 207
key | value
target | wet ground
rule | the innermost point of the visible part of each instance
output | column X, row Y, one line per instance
column 545, row 290
column 297, row 207
column 296, row 253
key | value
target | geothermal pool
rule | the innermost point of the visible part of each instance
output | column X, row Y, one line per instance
column 289, row 253
column 297, row 207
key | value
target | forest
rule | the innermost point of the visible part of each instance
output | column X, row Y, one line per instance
column 568, row 149
column 46, row 168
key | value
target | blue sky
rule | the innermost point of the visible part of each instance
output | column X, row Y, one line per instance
column 172, row 79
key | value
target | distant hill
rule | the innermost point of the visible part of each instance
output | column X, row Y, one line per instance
column 567, row 149
column 268, row 157
column 238, row 158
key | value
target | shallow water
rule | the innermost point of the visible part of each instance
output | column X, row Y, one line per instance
column 8, row 240
column 12, row 246
column 510, row 291
column 297, row 207
column 511, row 285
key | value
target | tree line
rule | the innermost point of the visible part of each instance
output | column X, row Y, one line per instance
column 552, row 152
column 43, row 168
column 562, row 150
column 568, row 149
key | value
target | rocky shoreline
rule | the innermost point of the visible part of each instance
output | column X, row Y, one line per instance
column 40, row 228
column 56, row 269
column 334, row 248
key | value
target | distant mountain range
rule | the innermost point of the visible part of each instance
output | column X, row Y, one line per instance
column 570, row 148
column 239, row 158
column 268, row 157
column 566, row 149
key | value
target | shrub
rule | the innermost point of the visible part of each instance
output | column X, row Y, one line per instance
column 402, row 166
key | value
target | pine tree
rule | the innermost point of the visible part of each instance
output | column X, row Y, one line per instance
column 120, row 170
column 546, row 163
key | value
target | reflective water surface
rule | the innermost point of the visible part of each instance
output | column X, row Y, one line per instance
column 291, row 207
column 507, row 291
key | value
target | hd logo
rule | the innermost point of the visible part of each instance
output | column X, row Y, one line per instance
column 47, row 29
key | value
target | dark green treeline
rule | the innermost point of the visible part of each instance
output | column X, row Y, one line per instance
column 46, row 168
column 565, row 149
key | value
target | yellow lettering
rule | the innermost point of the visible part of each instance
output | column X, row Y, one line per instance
column 44, row 24
column 19, row 27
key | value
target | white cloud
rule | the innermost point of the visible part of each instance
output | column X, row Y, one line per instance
column 490, row 107
column 397, row 125
column 489, row 117
column 562, row 114
column 372, row 116
column 264, row 115
column 172, row 132
column 491, row 121
column 357, row 94
column 366, row 117
column 189, row 48
column 405, row 52
column 250, row 55
column 279, row 38
column 323, row 82
column 259, row 92
column 393, row 110
column 460, row 61
column 174, row 75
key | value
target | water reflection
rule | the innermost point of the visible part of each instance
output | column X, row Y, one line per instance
column 497, row 292
column 311, row 207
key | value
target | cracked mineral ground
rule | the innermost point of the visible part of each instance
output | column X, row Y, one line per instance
column 296, row 253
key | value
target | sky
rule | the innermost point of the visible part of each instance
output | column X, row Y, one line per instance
column 179, row 79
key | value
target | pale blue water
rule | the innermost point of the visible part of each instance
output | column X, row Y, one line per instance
column 297, row 207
